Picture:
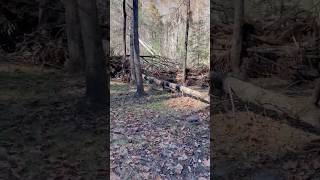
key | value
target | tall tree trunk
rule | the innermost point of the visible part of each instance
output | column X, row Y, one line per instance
column 316, row 93
column 237, row 36
column 124, row 35
column 131, row 60
column 281, row 7
column 42, row 15
column 96, row 75
column 186, row 43
column 139, row 81
column 76, row 63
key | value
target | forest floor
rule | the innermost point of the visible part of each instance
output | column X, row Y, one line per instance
column 45, row 131
column 159, row 136
column 256, row 144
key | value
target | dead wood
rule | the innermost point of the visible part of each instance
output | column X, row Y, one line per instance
column 177, row 88
column 303, row 111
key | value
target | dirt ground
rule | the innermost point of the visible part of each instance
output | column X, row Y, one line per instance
column 46, row 132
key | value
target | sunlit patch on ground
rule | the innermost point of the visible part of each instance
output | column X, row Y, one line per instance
column 185, row 103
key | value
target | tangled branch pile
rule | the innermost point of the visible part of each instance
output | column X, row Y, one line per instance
column 286, row 46
column 24, row 39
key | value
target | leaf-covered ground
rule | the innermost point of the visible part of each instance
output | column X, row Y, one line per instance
column 159, row 136
column 45, row 131
column 253, row 146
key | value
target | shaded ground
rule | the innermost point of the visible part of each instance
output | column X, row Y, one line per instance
column 46, row 132
column 160, row 136
column 256, row 144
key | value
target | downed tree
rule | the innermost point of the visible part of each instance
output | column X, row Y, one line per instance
column 177, row 88
column 280, row 103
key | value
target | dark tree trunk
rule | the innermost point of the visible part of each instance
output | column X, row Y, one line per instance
column 76, row 63
column 96, row 75
column 131, row 61
column 43, row 13
column 124, row 35
column 316, row 94
column 43, row 16
column 186, row 44
column 281, row 7
column 237, row 36
column 139, row 81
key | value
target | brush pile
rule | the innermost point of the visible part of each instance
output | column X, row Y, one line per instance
column 285, row 46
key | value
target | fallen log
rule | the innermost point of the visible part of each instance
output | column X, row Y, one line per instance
column 177, row 88
column 303, row 111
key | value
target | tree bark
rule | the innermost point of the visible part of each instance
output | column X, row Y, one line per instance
column 76, row 62
column 237, row 36
column 186, row 43
column 131, row 60
column 43, row 14
column 96, row 75
column 124, row 35
column 316, row 94
column 139, row 81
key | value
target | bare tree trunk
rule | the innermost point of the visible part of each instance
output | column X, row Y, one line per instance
column 237, row 36
column 186, row 44
column 96, row 75
column 42, row 15
column 316, row 94
column 281, row 7
column 124, row 35
column 131, row 60
column 76, row 63
column 135, row 26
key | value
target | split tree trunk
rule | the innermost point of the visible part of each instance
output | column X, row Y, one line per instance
column 75, row 63
column 96, row 75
